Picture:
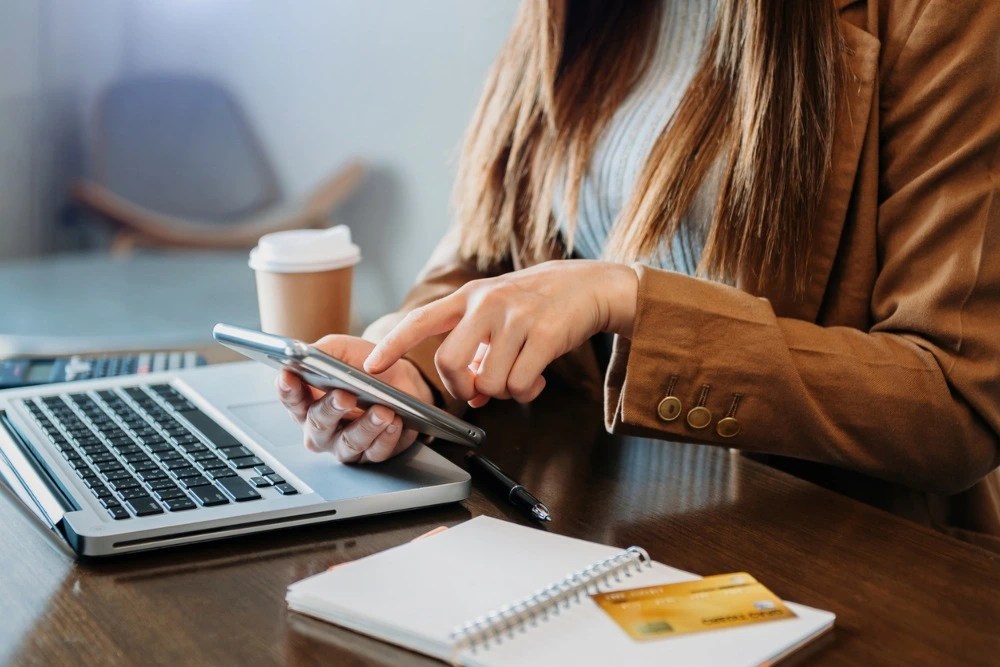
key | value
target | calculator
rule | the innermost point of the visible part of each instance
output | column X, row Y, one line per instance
column 25, row 371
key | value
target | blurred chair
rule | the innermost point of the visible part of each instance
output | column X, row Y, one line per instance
column 176, row 164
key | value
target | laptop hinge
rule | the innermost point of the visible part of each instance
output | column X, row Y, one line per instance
column 29, row 478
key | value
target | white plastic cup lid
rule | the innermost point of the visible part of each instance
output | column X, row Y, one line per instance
column 305, row 251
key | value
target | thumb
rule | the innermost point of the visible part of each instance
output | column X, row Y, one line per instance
column 349, row 349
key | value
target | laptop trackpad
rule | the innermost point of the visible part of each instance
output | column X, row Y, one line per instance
column 270, row 425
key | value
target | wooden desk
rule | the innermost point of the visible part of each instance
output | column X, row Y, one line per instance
column 904, row 595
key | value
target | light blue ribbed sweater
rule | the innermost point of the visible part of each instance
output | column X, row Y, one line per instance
column 625, row 144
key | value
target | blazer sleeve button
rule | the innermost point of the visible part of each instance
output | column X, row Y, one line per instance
column 728, row 427
column 699, row 417
column 669, row 408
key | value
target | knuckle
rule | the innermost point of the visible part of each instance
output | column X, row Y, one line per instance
column 546, row 330
column 314, row 417
column 490, row 385
column 472, row 286
column 492, row 297
column 314, row 423
column 353, row 441
column 368, row 429
column 345, row 455
column 417, row 316
column 519, row 386
column 446, row 360
column 522, row 397
column 326, row 411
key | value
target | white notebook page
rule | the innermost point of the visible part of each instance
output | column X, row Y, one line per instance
column 416, row 594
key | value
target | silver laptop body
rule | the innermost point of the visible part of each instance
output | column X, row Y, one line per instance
column 217, row 435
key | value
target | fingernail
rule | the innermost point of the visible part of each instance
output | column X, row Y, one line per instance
column 283, row 384
column 373, row 359
column 391, row 428
column 339, row 401
column 378, row 421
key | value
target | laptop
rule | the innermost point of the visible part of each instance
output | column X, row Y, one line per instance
column 131, row 463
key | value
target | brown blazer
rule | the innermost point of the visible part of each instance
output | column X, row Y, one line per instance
column 884, row 380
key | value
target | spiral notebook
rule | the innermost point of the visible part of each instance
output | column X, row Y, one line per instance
column 489, row 592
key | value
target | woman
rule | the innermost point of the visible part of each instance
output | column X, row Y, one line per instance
column 787, row 214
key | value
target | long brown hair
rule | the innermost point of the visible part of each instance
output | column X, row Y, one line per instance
column 761, row 105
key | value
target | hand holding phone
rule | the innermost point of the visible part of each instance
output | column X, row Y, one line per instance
column 357, row 416
column 331, row 419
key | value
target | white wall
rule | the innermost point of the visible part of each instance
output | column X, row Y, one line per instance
column 392, row 81
column 20, row 93
column 54, row 56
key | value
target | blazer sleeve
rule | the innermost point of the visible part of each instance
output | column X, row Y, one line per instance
column 916, row 398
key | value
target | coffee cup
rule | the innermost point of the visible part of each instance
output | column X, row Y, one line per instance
column 304, row 279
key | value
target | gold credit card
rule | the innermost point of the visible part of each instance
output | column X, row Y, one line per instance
column 719, row 601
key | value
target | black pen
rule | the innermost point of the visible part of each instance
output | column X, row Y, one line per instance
column 518, row 496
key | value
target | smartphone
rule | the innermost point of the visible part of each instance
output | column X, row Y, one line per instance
column 325, row 372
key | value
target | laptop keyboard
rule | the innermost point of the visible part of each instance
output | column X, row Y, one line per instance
column 134, row 451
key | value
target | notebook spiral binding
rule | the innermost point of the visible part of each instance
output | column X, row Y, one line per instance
column 482, row 632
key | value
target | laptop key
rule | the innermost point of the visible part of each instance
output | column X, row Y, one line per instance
column 170, row 494
column 221, row 473
column 124, row 484
column 211, row 430
column 188, row 482
column 179, row 504
column 188, row 471
column 275, row 479
column 144, row 506
column 132, row 494
column 236, row 452
column 209, row 495
column 118, row 512
column 263, row 470
column 246, row 462
column 237, row 489
column 286, row 489
column 259, row 482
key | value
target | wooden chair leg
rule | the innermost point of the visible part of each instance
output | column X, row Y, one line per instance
column 123, row 244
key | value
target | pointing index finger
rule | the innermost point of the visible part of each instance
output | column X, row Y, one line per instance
column 419, row 324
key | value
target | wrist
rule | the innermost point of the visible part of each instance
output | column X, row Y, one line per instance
column 622, row 293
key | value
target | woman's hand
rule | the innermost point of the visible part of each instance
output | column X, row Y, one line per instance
column 333, row 422
column 506, row 330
